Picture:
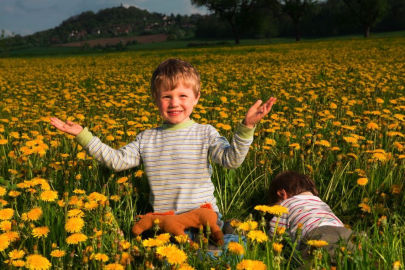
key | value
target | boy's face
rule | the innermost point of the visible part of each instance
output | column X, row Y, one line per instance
column 176, row 105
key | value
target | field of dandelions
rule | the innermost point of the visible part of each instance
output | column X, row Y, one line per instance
column 339, row 117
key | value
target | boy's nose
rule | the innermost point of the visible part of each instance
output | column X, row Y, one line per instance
column 174, row 102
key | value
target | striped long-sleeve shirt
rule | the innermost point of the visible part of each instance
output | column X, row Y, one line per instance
column 308, row 210
column 176, row 159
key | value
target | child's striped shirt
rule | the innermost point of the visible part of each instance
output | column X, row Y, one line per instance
column 176, row 161
column 308, row 210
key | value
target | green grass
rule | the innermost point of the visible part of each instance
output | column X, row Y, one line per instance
column 183, row 44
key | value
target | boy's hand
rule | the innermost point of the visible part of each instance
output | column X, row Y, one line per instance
column 257, row 112
column 68, row 127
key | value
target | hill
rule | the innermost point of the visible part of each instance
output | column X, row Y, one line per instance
column 109, row 23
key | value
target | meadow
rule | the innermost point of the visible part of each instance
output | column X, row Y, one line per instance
column 339, row 118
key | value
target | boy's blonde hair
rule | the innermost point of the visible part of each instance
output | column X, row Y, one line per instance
column 172, row 72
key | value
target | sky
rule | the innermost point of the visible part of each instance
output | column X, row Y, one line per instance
column 25, row 17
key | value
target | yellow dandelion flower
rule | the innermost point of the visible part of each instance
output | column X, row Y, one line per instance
column 3, row 191
column 14, row 193
column 16, row 254
column 101, row 257
column 37, row 262
column 181, row 239
column 4, row 241
column 49, row 195
column 5, row 225
column 150, row 242
column 76, row 238
column 277, row 210
column 382, row 157
column 98, row 197
column 173, row 255
column 295, row 146
column 257, row 236
column 379, row 100
column 57, row 253
column 91, row 205
column 280, row 230
column 122, row 180
column 365, row 207
column 236, row 248
column 350, row 139
column 114, row 266
column 362, row 181
column 247, row 225
column 39, row 232
column 3, row 141
column 79, row 191
column 139, row 173
column 75, row 213
column 74, row 224
column 125, row 244
column 324, row 143
column 277, row 247
column 34, row 214
column 81, row 155
column 270, row 142
column 18, row 263
column 6, row 213
column 110, row 138
column 396, row 265
column 317, row 243
column 251, row 265
column 186, row 267
column 372, row 126
column 164, row 237
column 12, row 236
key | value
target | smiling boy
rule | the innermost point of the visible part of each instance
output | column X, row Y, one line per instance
column 176, row 155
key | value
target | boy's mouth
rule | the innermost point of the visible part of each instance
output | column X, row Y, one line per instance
column 173, row 113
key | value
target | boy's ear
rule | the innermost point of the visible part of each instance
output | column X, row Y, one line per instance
column 197, row 98
column 282, row 194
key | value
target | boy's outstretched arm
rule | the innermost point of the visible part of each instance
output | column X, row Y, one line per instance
column 257, row 112
column 68, row 126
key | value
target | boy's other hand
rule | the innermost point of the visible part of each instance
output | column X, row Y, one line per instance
column 68, row 126
column 258, row 111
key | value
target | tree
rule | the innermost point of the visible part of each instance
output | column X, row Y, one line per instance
column 296, row 9
column 368, row 12
column 230, row 10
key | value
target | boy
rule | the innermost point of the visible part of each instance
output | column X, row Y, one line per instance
column 298, row 194
column 176, row 155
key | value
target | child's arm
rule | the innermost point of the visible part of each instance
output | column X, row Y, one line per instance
column 232, row 155
column 118, row 160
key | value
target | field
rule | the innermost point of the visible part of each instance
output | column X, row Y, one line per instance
column 339, row 118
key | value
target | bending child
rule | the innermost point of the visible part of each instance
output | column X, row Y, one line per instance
column 176, row 155
column 299, row 195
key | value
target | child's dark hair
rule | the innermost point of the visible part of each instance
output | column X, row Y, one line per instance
column 293, row 183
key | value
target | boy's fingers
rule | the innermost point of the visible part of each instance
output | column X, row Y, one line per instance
column 256, row 105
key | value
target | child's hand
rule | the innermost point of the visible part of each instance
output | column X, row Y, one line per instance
column 257, row 112
column 68, row 127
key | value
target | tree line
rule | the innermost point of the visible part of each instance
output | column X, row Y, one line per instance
column 311, row 18
column 229, row 19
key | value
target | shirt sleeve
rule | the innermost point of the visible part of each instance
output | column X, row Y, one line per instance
column 118, row 160
column 230, row 155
